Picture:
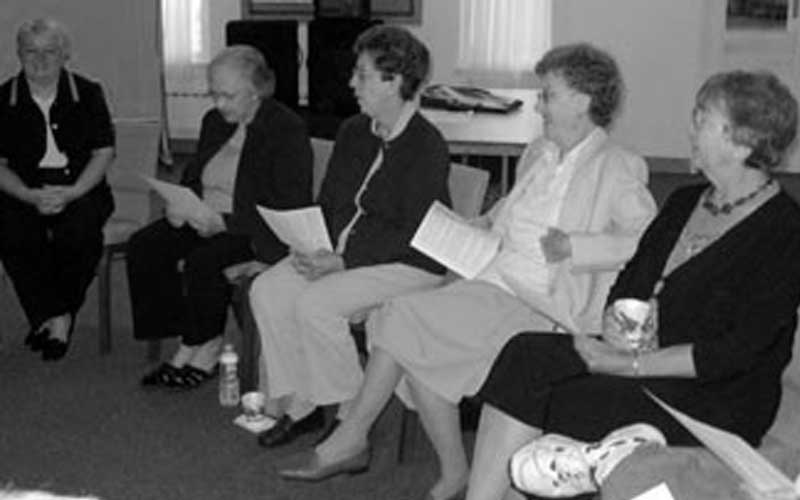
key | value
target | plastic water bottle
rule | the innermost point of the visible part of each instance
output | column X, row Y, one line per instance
column 229, row 379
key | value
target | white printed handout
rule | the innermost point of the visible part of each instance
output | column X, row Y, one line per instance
column 446, row 237
column 658, row 492
column 757, row 473
column 303, row 229
column 183, row 202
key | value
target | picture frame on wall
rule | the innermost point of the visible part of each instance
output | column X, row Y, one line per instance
column 278, row 9
column 401, row 11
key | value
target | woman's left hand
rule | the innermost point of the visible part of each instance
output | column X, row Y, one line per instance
column 602, row 357
column 318, row 264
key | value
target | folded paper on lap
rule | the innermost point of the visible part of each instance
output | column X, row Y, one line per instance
column 759, row 475
column 448, row 238
column 658, row 492
column 303, row 229
column 182, row 201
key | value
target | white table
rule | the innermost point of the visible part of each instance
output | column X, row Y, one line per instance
column 491, row 134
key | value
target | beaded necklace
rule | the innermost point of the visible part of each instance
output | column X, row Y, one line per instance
column 727, row 207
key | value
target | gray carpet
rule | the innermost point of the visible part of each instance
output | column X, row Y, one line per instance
column 83, row 425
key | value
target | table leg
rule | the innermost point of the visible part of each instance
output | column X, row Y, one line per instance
column 504, row 174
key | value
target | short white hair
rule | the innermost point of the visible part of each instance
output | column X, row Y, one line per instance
column 45, row 26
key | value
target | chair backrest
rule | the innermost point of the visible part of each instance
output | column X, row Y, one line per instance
column 137, row 154
column 467, row 189
column 322, row 149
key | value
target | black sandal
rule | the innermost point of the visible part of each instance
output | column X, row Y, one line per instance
column 165, row 375
column 192, row 377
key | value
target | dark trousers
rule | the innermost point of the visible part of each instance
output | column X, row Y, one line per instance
column 193, row 303
column 51, row 259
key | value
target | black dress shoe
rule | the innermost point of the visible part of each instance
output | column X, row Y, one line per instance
column 55, row 349
column 314, row 470
column 36, row 339
column 287, row 430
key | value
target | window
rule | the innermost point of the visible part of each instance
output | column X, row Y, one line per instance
column 193, row 31
column 764, row 28
column 185, row 44
column 501, row 40
column 758, row 14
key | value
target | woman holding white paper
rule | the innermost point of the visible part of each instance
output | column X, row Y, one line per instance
column 720, row 261
column 252, row 151
column 388, row 165
column 570, row 222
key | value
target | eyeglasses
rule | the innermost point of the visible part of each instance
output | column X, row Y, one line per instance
column 547, row 95
column 701, row 116
column 362, row 75
column 48, row 53
column 225, row 96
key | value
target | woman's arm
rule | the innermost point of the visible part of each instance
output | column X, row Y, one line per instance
column 12, row 185
column 632, row 208
column 601, row 357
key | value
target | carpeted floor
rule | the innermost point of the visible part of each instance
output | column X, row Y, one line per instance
column 83, row 425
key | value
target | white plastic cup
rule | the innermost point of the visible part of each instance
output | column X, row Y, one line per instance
column 253, row 404
column 638, row 323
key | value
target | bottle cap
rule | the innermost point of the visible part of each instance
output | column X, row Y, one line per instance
column 228, row 355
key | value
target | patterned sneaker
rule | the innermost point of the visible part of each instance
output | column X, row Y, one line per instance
column 558, row 466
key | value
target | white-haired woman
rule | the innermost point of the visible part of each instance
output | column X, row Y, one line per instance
column 56, row 142
column 252, row 151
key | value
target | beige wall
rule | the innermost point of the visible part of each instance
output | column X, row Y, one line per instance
column 113, row 41
column 658, row 45
column 665, row 49
column 439, row 31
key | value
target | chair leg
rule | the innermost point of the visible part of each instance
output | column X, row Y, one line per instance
column 250, row 346
column 153, row 350
column 104, row 302
column 406, row 419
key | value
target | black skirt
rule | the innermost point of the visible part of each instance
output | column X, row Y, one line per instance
column 540, row 380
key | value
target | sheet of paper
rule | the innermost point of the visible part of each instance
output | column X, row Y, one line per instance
column 755, row 470
column 446, row 237
column 658, row 492
column 183, row 201
column 303, row 229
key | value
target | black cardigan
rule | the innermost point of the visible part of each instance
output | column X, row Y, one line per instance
column 736, row 302
column 79, row 119
column 413, row 174
column 274, row 170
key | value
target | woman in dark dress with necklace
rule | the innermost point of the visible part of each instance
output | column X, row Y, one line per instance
column 722, row 261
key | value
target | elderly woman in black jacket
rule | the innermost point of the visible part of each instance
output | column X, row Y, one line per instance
column 56, row 143
column 252, row 151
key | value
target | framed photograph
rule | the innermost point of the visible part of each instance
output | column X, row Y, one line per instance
column 408, row 11
column 278, row 9
column 402, row 11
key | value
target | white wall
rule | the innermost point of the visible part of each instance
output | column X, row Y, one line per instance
column 113, row 41
column 659, row 46
column 665, row 49
column 439, row 31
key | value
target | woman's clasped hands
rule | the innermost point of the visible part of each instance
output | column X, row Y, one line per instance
column 206, row 224
column 315, row 265
column 51, row 200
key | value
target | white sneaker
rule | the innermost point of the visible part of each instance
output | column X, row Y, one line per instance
column 558, row 466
